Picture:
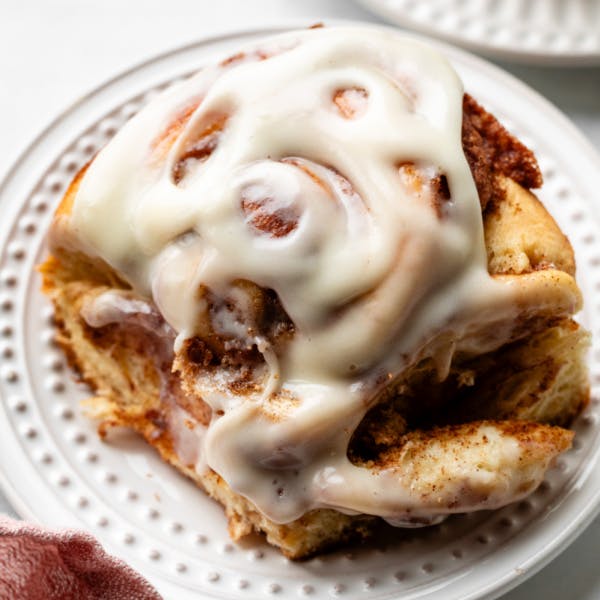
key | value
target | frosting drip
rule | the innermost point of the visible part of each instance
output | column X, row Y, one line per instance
column 315, row 173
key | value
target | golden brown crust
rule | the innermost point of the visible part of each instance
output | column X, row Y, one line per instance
column 522, row 237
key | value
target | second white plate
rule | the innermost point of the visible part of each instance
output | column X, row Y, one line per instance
column 57, row 471
column 544, row 32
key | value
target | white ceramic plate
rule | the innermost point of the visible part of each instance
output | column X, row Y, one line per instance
column 55, row 470
column 550, row 32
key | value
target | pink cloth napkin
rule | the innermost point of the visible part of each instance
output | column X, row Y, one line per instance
column 44, row 564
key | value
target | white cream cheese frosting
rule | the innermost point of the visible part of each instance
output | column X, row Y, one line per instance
column 372, row 272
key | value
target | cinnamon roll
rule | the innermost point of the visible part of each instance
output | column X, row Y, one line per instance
column 314, row 278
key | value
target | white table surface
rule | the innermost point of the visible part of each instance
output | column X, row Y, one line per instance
column 53, row 51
